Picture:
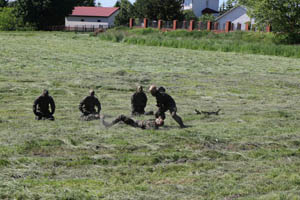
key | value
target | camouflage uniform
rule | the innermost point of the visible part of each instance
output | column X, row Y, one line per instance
column 138, row 103
column 143, row 124
column 41, row 107
column 87, row 107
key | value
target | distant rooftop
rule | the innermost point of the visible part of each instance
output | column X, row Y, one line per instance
column 94, row 11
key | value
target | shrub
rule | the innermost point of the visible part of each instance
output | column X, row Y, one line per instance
column 8, row 21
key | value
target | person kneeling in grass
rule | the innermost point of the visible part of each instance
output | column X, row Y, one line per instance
column 143, row 124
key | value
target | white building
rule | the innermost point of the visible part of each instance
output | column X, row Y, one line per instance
column 92, row 17
column 201, row 7
column 237, row 15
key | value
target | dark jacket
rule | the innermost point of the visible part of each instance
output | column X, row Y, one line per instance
column 139, row 99
column 41, row 104
column 164, row 101
column 88, row 104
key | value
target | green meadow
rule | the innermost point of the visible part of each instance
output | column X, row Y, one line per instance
column 250, row 151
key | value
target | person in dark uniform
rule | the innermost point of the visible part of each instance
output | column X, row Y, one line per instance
column 87, row 107
column 164, row 103
column 143, row 124
column 138, row 101
column 41, row 107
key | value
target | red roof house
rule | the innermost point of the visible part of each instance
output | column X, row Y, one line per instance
column 92, row 16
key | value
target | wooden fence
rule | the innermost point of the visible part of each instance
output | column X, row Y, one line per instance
column 79, row 28
column 192, row 25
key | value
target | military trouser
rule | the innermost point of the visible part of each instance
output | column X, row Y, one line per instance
column 89, row 116
column 161, row 112
column 126, row 120
column 173, row 112
column 138, row 110
column 44, row 116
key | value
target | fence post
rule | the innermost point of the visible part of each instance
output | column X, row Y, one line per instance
column 216, row 26
column 191, row 27
column 130, row 23
column 145, row 23
column 228, row 26
column 160, row 23
column 247, row 27
column 269, row 28
column 209, row 25
column 174, row 25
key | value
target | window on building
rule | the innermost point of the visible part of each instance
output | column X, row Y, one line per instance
column 82, row 20
column 99, row 20
column 207, row 3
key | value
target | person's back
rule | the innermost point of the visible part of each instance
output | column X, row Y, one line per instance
column 41, row 106
column 165, row 100
column 89, row 103
column 88, row 107
column 138, row 101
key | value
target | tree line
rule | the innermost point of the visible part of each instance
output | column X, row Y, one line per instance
column 37, row 14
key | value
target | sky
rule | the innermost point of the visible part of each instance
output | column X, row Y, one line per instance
column 109, row 3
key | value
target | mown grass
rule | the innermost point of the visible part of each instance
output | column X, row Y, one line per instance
column 250, row 151
column 241, row 42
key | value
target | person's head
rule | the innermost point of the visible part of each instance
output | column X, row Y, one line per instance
column 45, row 93
column 161, row 89
column 153, row 90
column 92, row 92
column 159, row 121
column 139, row 88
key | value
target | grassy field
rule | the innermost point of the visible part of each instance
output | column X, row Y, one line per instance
column 250, row 151
column 260, row 43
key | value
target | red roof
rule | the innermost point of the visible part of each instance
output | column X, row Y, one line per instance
column 94, row 11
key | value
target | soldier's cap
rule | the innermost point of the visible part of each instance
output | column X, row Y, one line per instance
column 152, row 88
column 92, row 92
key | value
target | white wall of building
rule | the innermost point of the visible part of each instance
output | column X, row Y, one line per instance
column 198, row 5
column 73, row 21
column 237, row 15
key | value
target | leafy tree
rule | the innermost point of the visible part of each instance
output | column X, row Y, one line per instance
column 8, row 20
column 85, row 3
column 126, row 12
column 284, row 16
column 3, row 3
column 227, row 6
column 44, row 13
column 189, row 15
column 207, row 17
column 157, row 9
column 118, row 4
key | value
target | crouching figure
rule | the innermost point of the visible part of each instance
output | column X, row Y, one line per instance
column 88, row 107
column 41, row 107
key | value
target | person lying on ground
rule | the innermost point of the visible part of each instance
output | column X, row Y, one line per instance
column 143, row 124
